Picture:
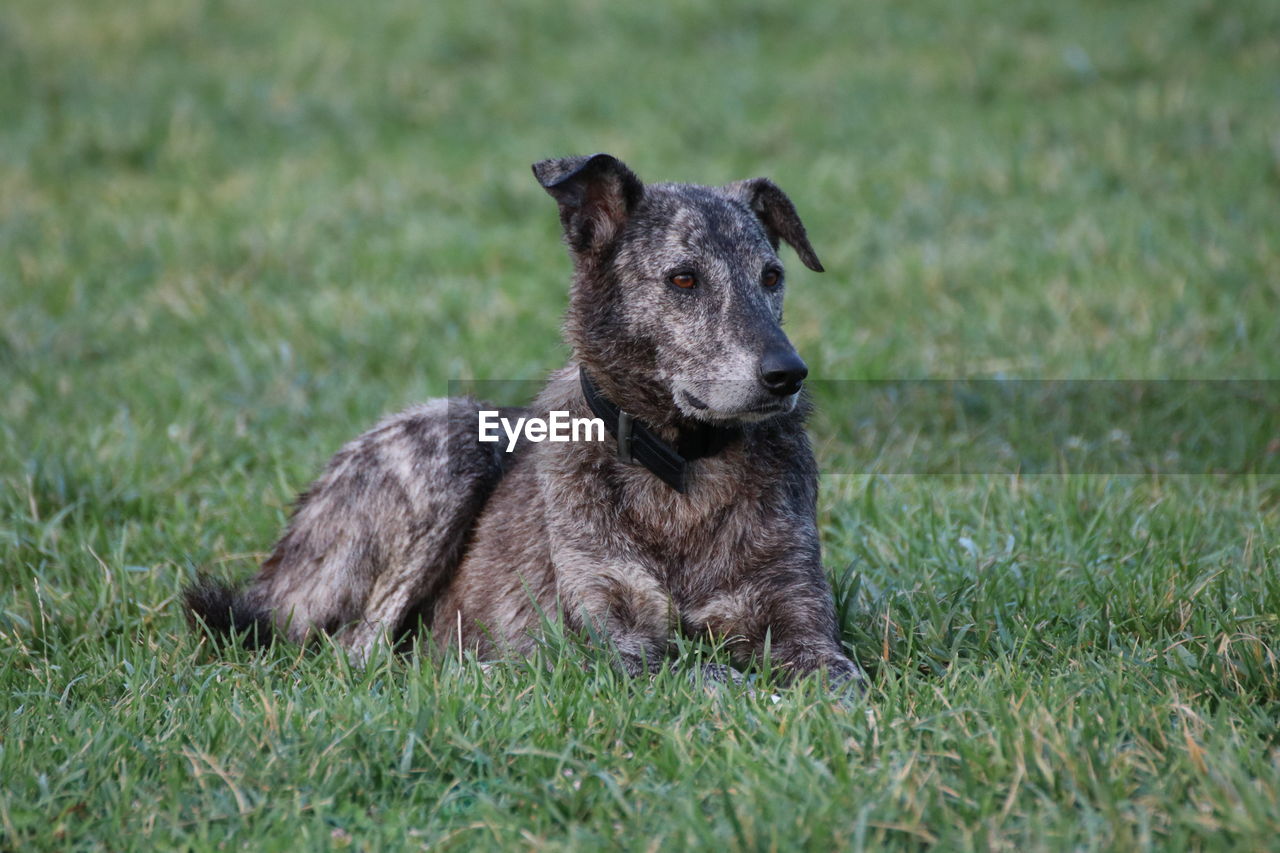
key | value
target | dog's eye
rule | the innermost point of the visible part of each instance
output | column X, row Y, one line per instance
column 771, row 278
column 684, row 280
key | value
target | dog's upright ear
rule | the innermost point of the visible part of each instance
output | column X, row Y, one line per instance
column 777, row 214
column 596, row 194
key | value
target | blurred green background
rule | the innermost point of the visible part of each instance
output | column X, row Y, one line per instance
column 232, row 234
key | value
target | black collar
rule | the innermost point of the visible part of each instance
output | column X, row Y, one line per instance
column 637, row 443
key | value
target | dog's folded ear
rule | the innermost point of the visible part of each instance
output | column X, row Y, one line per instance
column 778, row 216
column 596, row 194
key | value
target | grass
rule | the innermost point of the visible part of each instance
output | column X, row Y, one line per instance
column 234, row 233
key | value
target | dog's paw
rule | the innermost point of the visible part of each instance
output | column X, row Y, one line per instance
column 846, row 684
column 714, row 675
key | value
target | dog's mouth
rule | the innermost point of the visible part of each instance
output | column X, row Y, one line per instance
column 753, row 413
column 694, row 401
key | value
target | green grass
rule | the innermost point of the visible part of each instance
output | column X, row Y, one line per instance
column 232, row 234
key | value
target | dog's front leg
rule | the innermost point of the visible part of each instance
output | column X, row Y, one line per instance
column 801, row 636
column 620, row 603
column 780, row 612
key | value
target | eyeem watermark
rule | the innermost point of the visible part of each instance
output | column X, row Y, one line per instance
column 557, row 426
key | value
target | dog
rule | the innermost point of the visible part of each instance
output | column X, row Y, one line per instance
column 695, row 515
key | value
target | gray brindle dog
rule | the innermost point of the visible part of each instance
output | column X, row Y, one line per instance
column 697, row 515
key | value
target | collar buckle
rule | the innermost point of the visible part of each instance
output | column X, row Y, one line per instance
column 624, row 437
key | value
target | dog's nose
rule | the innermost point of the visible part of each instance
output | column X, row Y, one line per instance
column 782, row 372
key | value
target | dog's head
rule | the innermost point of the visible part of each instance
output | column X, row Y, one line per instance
column 676, row 305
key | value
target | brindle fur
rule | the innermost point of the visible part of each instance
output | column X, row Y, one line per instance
column 418, row 519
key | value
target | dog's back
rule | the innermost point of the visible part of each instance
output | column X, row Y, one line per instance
column 375, row 538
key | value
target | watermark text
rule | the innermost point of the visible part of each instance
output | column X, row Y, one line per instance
column 557, row 426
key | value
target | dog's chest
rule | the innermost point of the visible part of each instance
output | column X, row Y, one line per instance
column 694, row 544
column 697, row 540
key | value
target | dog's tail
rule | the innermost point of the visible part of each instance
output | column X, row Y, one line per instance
column 228, row 613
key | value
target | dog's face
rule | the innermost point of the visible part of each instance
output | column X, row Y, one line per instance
column 679, row 288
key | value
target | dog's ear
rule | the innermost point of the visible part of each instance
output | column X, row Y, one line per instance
column 596, row 194
column 778, row 216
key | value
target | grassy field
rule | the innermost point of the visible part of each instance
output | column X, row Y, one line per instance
column 232, row 234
